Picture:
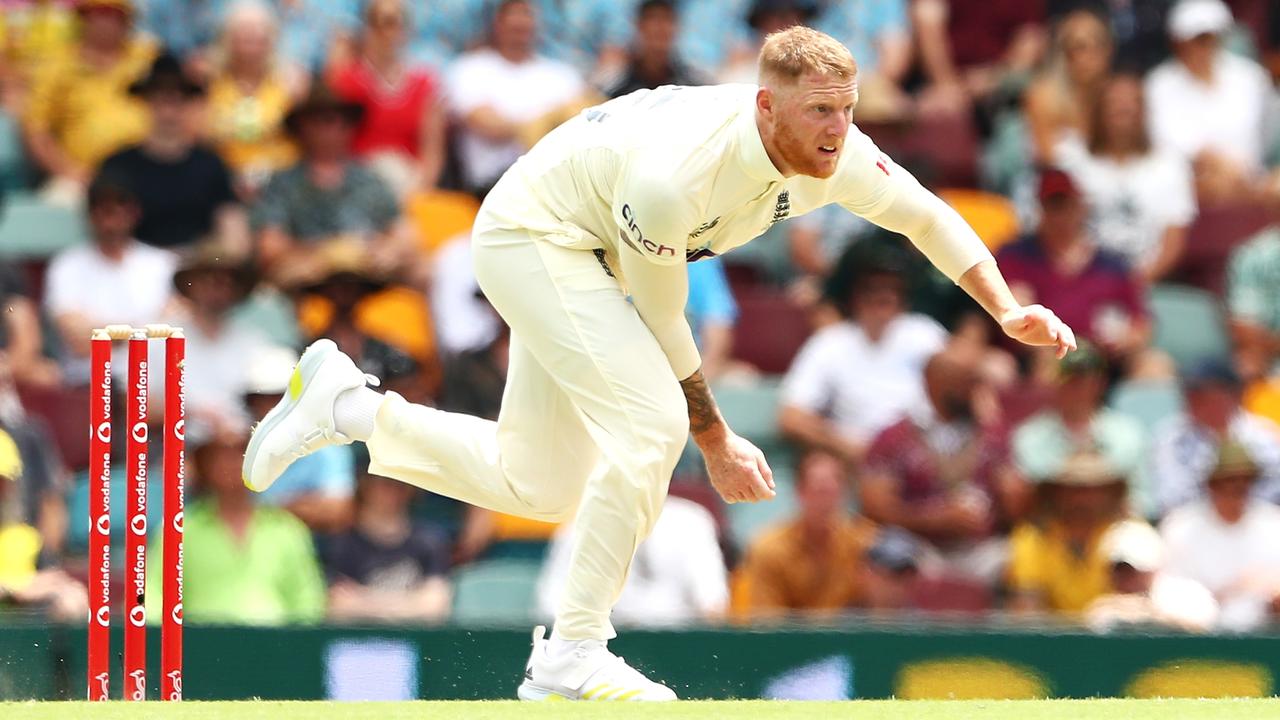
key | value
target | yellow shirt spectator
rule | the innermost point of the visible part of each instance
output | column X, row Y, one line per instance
column 1043, row 562
column 247, row 128
column 782, row 573
column 34, row 33
column 88, row 110
column 19, row 550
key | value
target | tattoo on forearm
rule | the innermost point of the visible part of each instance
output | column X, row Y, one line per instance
column 703, row 412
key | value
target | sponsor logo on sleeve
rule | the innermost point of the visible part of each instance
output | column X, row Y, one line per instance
column 649, row 247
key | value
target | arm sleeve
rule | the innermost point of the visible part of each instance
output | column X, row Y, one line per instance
column 876, row 188
column 659, row 293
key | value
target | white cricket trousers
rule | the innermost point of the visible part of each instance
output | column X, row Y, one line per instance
column 593, row 420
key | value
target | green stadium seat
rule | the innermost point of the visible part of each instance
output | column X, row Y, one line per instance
column 1148, row 402
column 751, row 410
column 495, row 591
column 31, row 228
column 1188, row 324
column 747, row 520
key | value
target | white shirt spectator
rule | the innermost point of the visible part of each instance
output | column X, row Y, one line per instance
column 678, row 574
column 864, row 386
column 1228, row 116
column 219, row 363
column 519, row 92
column 1234, row 562
column 463, row 320
column 1132, row 203
column 1183, row 454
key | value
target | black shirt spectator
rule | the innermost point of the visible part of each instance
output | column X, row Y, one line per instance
column 422, row 554
column 180, row 198
column 653, row 60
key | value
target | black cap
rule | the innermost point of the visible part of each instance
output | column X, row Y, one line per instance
column 895, row 550
column 167, row 73
column 1208, row 372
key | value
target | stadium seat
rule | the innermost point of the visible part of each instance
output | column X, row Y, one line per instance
column 950, row 595
column 992, row 216
column 942, row 151
column 751, row 410
column 1214, row 234
column 1148, row 402
column 1188, row 324
column 439, row 216
column 31, row 228
column 769, row 331
column 495, row 591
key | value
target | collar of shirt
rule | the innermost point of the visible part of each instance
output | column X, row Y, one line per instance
column 751, row 153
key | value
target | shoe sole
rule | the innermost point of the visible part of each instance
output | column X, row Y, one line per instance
column 532, row 693
column 311, row 360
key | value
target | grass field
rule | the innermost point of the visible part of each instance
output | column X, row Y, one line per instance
column 688, row 710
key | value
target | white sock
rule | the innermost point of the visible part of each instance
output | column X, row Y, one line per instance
column 354, row 411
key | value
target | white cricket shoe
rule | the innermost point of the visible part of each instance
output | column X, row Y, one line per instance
column 589, row 672
column 302, row 422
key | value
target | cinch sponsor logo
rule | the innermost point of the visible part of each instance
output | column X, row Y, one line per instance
column 651, row 246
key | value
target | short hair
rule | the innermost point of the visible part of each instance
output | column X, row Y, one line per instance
column 112, row 188
column 645, row 7
column 788, row 54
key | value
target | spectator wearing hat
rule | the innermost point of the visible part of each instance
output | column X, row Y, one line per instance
column 1183, row 449
column 251, row 87
column 1056, row 560
column 1209, row 105
column 938, row 473
column 827, row 400
column 1229, row 541
column 1077, row 421
column 79, row 110
column 212, row 283
column 1091, row 289
column 1141, row 198
column 811, row 563
column 498, row 92
column 319, row 489
column 891, row 571
column 1144, row 592
column 326, row 195
column 654, row 59
column 403, row 124
column 27, row 578
column 113, row 279
column 183, row 188
column 245, row 563
column 388, row 566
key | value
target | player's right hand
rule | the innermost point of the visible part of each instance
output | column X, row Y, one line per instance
column 738, row 471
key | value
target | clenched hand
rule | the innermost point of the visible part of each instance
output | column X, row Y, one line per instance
column 738, row 471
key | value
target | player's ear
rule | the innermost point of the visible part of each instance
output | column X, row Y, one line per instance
column 764, row 101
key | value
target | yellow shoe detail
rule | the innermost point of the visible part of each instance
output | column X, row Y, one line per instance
column 628, row 695
column 295, row 383
column 594, row 691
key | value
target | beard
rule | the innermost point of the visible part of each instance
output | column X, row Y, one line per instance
column 802, row 157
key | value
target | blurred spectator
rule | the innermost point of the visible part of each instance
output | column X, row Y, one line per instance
column 464, row 320
column 1141, row 199
column 1062, row 99
column 250, row 91
column 1138, row 27
column 33, row 33
column 184, row 188
column 891, row 571
column 403, row 123
column 186, row 28
column 25, row 578
column 1253, row 300
column 497, row 90
column 708, row 52
column 474, row 379
column 1230, row 541
column 1207, row 104
column 1185, row 448
column 589, row 35
column 245, row 564
column 326, row 195
column 39, row 494
column 826, row 399
column 1076, row 422
column 654, row 60
column 1057, row 562
column 388, row 566
column 938, row 473
column 79, row 110
column 677, row 576
column 764, row 17
column 318, row 488
column 1143, row 591
column 971, row 49
column 813, row 562
column 711, row 311
column 22, row 339
column 1091, row 289
column 878, row 34
column 212, row 284
column 113, row 279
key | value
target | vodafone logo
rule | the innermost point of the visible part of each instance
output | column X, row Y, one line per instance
column 176, row 615
column 138, row 524
column 177, row 522
column 138, row 616
column 140, row 432
column 103, row 524
column 103, row 616
column 104, row 432
column 180, row 429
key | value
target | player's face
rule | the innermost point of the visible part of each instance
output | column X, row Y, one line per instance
column 811, row 121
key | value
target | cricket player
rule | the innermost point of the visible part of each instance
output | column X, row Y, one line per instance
column 581, row 248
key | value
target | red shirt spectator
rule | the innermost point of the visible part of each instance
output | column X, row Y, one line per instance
column 393, row 115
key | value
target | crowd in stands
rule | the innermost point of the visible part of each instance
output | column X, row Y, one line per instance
column 267, row 172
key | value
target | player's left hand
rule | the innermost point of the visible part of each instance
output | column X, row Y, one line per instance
column 738, row 470
column 1037, row 325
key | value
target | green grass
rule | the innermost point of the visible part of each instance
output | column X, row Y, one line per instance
column 687, row 710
